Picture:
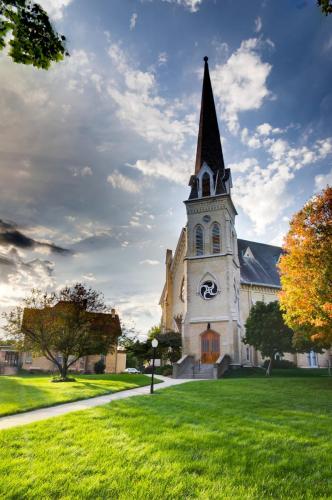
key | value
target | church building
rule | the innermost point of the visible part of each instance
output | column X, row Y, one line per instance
column 214, row 278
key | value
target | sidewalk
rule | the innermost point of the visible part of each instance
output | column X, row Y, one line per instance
column 54, row 411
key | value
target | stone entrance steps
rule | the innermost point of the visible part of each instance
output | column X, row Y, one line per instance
column 202, row 371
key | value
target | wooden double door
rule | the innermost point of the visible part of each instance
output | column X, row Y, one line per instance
column 210, row 346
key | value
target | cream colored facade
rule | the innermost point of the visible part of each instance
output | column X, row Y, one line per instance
column 184, row 310
column 115, row 363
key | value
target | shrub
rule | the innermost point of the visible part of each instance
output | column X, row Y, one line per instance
column 280, row 363
column 99, row 367
column 166, row 370
column 159, row 370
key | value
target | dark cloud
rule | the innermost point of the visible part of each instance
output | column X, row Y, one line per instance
column 97, row 242
column 11, row 236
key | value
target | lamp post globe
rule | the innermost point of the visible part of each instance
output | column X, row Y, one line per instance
column 154, row 343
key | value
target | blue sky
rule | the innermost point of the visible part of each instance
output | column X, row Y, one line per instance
column 97, row 152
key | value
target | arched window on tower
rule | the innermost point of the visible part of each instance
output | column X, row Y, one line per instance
column 215, row 238
column 206, row 185
column 199, row 240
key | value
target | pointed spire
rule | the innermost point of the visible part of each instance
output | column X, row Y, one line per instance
column 208, row 144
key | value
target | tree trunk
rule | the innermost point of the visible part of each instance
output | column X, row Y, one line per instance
column 269, row 368
column 64, row 369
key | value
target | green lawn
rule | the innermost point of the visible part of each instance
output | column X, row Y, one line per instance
column 277, row 372
column 27, row 392
column 226, row 439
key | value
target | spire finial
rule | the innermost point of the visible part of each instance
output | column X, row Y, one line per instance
column 206, row 59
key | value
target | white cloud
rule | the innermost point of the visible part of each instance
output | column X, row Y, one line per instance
column 89, row 277
column 262, row 136
column 162, row 58
column 244, row 165
column 262, row 192
column 119, row 181
column 264, row 129
column 174, row 169
column 192, row 5
column 19, row 276
column 86, row 171
column 258, row 24
column 54, row 8
column 139, row 308
column 322, row 180
column 261, row 195
column 150, row 262
column 133, row 21
column 141, row 107
column 240, row 83
column 81, row 171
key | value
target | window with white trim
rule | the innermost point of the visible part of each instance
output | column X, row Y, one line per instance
column 312, row 359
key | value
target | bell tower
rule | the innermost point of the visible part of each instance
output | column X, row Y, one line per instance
column 211, row 325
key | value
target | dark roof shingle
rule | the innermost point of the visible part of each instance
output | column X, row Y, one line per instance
column 261, row 266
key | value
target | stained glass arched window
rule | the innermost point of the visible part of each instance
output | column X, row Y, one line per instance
column 215, row 238
column 199, row 240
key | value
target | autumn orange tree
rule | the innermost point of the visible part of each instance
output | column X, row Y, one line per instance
column 306, row 273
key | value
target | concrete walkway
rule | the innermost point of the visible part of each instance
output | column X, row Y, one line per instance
column 54, row 411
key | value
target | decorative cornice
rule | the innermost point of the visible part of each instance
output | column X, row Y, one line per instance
column 208, row 256
column 209, row 203
column 213, row 319
column 205, row 207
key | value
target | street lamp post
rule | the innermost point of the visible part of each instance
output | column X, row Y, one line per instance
column 154, row 344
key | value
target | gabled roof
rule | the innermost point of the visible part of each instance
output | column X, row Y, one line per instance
column 208, row 144
column 260, row 266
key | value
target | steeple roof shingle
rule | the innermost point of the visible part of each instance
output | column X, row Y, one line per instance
column 208, row 144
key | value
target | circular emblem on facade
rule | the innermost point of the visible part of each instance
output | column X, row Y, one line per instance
column 208, row 290
column 206, row 218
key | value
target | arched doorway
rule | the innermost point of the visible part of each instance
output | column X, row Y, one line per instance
column 210, row 346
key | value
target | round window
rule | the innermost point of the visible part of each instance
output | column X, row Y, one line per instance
column 208, row 290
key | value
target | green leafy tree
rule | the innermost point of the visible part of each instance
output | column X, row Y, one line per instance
column 326, row 6
column 64, row 326
column 154, row 332
column 33, row 39
column 267, row 332
column 138, row 352
column 170, row 345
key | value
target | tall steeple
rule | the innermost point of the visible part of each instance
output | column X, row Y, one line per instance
column 208, row 145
